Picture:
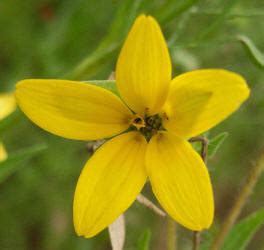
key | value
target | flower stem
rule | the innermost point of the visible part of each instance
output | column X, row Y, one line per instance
column 242, row 198
column 196, row 240
column 171, row 234
column 204, row 148
column 203, row 153
column 147, row 203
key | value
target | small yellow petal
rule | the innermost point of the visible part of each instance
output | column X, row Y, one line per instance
column 109, row 183
column 200, row 99
column 73, row 110
column 180, row 181
column 7, row 104
column 3, row 153
column 143, row 71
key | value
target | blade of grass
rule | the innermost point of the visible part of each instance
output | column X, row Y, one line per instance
column 217, row 21
column 242, row 232
column 254, row 53
column 9, row 121
column 14, row 162
column 144, row 240
column 240, row 202
column 173, row 9
column 110, row 44
column 248, row 14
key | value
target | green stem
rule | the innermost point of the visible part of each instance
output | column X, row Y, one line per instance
column 239, row 203
column 90, row 64
column 204, row 151
column 171, row 234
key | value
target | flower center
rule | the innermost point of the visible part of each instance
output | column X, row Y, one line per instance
column 147, row 125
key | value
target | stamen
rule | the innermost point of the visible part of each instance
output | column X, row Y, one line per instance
column 138, row 122
column 147, row 125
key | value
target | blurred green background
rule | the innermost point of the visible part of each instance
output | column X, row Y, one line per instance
column 80, row 40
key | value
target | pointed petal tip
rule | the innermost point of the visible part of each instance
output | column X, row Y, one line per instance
column 180, row 181
column 146, row 17
column 144, row 67
column 24, row 82
column 82, row 233
column 7, row 104
column 148, row 20
column 229, row 90
column 200, row 225
column 81, row 230
column 109, row 183
column 59, row 107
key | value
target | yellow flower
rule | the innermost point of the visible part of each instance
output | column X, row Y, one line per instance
column 162, row 114
column 7, row 106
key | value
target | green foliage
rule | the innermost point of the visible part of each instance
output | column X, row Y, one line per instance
column 15, row 161
column 81, row 40
column 215, row 143
column 254, row 53
column 144, row 240
column 9, row 121
column 242, row 232
column 218, row 20
column 128, row 11
column 107, row 84
column 174, row 9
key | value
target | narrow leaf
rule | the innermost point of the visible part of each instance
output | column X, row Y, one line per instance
column 242, row 232
column 215, row 143
column 128, row 10
column 217, row 21
column 254, row 53
column 9, row 121
column 117, row 232
column 172, row 9
column 144, row 240
column 15, row 161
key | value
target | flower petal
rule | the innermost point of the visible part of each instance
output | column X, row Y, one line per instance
column 200, row 99
column 143, row 71
column 7, row 104
column 109, row 183
column 180, row 181
column 71, row 109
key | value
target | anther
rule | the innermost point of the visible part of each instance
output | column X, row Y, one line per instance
column 138, row 122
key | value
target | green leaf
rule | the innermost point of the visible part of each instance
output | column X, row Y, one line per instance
column 174, row 9
column 242, row 232
column 16, row 160
column 144, row 240
column 216, row 22
column 127, row 11
column 215, row 143
column 9, row 121
column 106, row 84
column 247, row 14
column 254, row 53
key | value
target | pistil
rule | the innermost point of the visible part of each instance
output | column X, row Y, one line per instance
column 148, row 126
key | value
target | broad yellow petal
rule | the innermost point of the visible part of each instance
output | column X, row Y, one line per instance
column 3, row 153
column 109, row 183
column 7, row 104
column 143, row 71
column 71, row 109
column 180, row 181
column 200, row 99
